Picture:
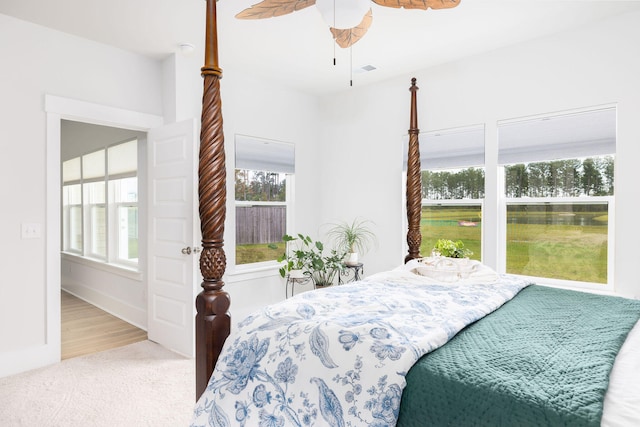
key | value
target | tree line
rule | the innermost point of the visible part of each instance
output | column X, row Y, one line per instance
column 557, row 178
column 260, row 186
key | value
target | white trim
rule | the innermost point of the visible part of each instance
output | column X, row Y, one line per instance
column 253, row 271
column 58, row 108
column 260, row 203
column 452, row 202
column 15, row 362
column 121, row 270
column 52, row 349
column 462, row 202
column 560, row 113
column 608, row 287
column 594, row 288
column 86, row 112
column 257, row 270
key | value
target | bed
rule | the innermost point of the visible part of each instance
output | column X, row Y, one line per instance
column 405, row 349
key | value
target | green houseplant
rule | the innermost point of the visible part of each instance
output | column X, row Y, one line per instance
column 295, row 259
column 451, row 249
column 353, row 238
column 324, row 267
column 304, row 257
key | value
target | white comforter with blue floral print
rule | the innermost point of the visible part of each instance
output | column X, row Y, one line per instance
column 338, row 356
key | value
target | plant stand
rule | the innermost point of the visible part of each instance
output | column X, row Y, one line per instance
column 356, row 269
column 293, row 281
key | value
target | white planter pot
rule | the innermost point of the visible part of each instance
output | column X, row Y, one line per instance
column 296, row 274
column 351, row 258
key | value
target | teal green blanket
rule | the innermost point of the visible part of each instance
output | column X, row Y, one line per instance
column 543, row 359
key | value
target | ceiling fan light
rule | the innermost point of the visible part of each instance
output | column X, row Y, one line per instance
column 348, row 13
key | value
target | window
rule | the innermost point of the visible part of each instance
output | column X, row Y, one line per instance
column 452, row 163
column 100, row 205
column 72, row 218
column 263, row 180
column 124, row 204
column 558, row 196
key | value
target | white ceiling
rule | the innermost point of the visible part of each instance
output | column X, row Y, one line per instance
column 298, row 49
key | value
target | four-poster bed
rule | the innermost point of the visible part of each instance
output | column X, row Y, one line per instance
column 306, row 361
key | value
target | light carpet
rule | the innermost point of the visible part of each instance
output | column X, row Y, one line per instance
column 141, row 384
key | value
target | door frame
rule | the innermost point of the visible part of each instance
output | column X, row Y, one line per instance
column 58, row 109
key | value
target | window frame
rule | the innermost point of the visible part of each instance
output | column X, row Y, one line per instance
column 288, row 203
column 88, row 220
column 459, row 202
column 260, row 154
column 66, row 231
column 111, row 256
column 502, row 243
column 114, row 226
column 578, row 148
column 114, row 231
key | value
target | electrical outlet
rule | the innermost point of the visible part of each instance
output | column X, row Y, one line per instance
column 31, row 231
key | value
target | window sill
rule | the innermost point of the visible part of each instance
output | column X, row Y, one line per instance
column 253, row 271
column 595, row 288
column 128, row 272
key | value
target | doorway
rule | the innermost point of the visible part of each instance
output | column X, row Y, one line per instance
column 57, row 110
column 169, row 285
column 103, row 186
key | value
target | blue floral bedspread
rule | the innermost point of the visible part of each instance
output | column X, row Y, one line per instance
column 338, row 356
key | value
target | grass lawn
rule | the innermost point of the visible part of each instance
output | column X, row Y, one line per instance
column 246, row 254
column 558, row 251
column 569, row 252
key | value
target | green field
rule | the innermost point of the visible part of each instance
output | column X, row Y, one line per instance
column 440, row 222
column 558, row 251
column 569, row 252
column 246, row 254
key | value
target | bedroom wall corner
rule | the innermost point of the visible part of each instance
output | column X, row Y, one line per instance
column 588, row 66
column 42, row 61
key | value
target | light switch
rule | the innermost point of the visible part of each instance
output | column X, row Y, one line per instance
column 31, row 231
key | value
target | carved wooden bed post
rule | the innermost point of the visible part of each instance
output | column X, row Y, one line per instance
column 414, row 182
column 213, row 322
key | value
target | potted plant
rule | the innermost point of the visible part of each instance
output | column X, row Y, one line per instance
column 353, row 238
column 323, row 268
column 451, row 249
column 295, row 259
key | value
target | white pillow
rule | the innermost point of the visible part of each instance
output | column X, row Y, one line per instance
column 452, row 270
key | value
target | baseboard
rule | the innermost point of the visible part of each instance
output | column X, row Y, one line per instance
column 111, row 305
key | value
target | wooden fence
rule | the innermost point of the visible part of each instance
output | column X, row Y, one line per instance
column 260, row 224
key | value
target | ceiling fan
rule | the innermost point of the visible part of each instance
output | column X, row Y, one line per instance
column 348, row 20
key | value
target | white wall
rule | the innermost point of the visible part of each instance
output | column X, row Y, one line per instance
column 354, row 136
column 37, row 61
column 257, row 108
column 586, row 67
column 49, row 62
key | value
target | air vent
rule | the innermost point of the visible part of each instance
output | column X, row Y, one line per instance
column 364, row 69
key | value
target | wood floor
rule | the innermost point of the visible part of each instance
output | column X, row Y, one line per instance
column 87, row 329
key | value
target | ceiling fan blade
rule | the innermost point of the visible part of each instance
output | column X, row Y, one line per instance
column 271, row 8
column 418, row 4
column 346, row 38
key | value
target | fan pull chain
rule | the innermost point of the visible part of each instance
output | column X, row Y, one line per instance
column 351, row 65
column 334, row 26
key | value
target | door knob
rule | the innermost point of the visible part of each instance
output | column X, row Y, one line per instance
column 187, row 250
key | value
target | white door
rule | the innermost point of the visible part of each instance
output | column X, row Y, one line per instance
column 172, row 274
